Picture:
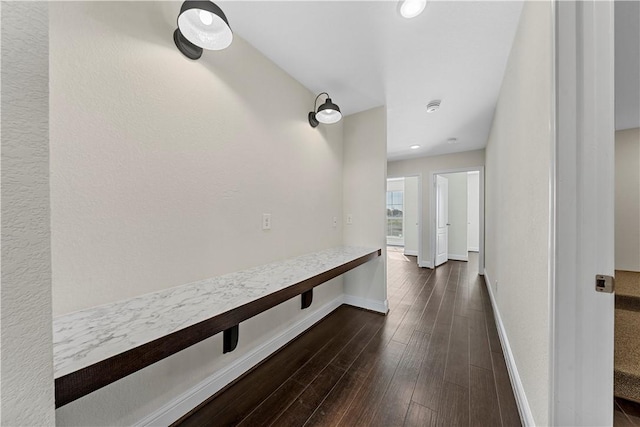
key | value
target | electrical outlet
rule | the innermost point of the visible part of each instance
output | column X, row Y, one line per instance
column 335, row 221
column 349, row 219
column 266, row 221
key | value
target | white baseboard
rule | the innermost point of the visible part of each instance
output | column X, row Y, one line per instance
column 411, row 253
column 426, row 264
column 474, row 249
column 456, row 257
column 188, row 400
column 516, row 383
column 369, row 304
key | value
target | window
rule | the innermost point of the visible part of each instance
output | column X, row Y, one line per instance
column 395, row 206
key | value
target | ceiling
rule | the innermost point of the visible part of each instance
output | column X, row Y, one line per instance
column 366, row 55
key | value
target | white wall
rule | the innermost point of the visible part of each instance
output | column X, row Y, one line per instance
column 26, row 366
column 517, row 203
column 135, row 125
column 411, row 213
column 473, row 211
column 627, row 64
column 397, row 184
column 457, row 232
column 161, row 168
column 627, row 204
column 365, row 180
column 426, row 166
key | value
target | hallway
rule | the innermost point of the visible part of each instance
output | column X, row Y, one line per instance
column 434, row 360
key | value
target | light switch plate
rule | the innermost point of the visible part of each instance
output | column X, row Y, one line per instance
column 266, row 221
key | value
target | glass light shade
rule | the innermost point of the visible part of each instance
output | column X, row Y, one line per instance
column 205, row 25
column 412, row 8
column 328, row 113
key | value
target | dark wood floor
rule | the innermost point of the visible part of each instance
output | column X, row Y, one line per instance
column 435, row 359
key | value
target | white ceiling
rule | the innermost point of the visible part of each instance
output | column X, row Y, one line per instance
column 366, row 55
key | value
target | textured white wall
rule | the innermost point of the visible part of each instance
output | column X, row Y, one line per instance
column 411, row 215
column 161, row 168
column 473, row 211
column 26, row 366
column 457, row 214
column 627, row 209
column 517, row 202
column 365, row 175
column 426, row 166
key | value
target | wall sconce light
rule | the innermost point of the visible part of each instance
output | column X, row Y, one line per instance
column 328, row 113
column 201, row 25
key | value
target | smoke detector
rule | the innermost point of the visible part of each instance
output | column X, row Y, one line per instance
column 452, row 141
column 433, row 106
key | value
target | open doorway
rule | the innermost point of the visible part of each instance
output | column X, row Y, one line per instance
column 457, row 207
column 404, row 217
column 627, row 276
column 627, row 215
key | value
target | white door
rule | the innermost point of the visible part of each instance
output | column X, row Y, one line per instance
column 442, row 220
column 583, row 319
column 473, row 211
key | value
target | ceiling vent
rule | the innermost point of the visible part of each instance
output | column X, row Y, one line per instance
column 433, row 106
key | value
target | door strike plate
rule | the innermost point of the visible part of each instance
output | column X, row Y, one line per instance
column 605, row 283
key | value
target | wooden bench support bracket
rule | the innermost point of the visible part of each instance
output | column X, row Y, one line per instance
column 307, row 298
column 230, row 338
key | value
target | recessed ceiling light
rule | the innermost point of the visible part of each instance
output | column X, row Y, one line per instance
column 433, row 106
column 414, row 147
column 412, row 8
column 452, row 141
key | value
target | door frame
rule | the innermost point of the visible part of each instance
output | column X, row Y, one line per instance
column 432, row 209
column 420, row 210
column 581, row 239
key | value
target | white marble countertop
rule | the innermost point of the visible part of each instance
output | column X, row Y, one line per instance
column 85, row 337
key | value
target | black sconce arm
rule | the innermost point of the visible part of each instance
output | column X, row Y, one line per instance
column 315, row 103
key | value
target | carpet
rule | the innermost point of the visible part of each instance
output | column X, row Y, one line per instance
column 627, row 355
column 627, row 336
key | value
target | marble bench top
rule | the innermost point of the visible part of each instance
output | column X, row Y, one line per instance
column 85, row 337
